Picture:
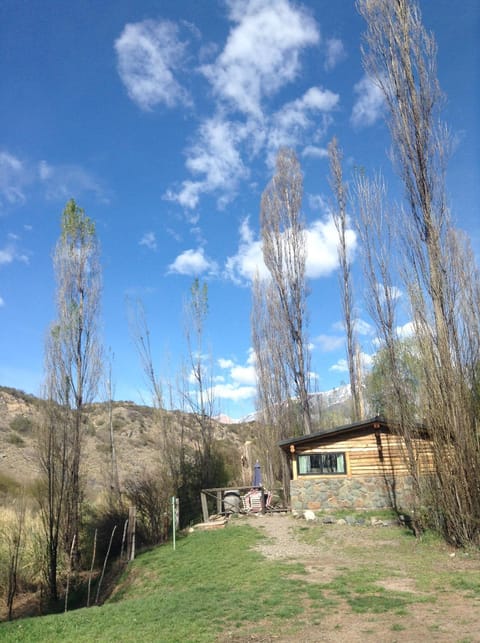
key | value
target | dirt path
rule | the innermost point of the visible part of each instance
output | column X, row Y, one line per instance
column 444, row 616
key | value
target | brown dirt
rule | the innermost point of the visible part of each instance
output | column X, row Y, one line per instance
column 453, row 615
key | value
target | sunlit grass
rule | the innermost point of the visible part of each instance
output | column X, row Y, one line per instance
column 216, row 583
column 212, row 581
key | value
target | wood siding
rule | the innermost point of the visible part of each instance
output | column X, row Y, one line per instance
column 372, row 453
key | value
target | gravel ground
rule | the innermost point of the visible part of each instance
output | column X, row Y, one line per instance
column 449, row 617
column 281, row 543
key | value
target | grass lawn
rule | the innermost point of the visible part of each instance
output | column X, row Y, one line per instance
column 215, row 586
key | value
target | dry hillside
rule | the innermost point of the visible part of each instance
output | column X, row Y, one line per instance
column 137, row 439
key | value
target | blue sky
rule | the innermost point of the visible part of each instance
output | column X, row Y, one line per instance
column 162, row 120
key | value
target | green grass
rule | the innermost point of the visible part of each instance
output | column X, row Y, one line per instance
column 362, row 592
column 213, row 581
column 470, row 584
column 395, row 555
column 215, row 587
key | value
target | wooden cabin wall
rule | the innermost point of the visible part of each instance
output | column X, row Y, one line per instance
column 376, row 453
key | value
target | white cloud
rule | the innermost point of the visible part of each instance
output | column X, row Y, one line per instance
column 405, row 331
column 322, row 247
column 369, row 103
column 393, row 292
column 243, row 374
column 9, row 254
column 260, row 56
column 45, row 171
column 233, row 392
column 319, row 202
column 61, row 182
column 340, row 367
column 294, row 118
column 149, row 53
column 366, row 361
column 321, row 244
column 241, row 379
column 6, row 255
column 363, row 327
column 57, row 182
column 313, row 151
column 215, row 155
column 13, row 178
column 225, row 363
column 328, row 343
column 2, row 302
column 335, row 53
column 262, row 52
column 149, row 240
column 243, row 266
column 192, row 262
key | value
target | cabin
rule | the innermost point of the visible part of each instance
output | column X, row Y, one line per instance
column 360, row 466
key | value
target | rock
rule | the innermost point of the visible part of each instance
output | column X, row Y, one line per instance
column 328, row 520
column 341, row 521
column 309, row 515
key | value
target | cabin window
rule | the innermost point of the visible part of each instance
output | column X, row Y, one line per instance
column 321, row 464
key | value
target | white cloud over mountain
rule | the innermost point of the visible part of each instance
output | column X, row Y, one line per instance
column 239, row 382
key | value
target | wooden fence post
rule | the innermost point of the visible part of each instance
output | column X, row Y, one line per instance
column 203, row 498
column 132, row 515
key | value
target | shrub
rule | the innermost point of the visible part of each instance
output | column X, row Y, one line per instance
column 9, row 487
column 21, row 424
column 104, row 518
column 150, row 493
column 16, row 440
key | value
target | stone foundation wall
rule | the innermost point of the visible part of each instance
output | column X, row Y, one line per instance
column 362, row 492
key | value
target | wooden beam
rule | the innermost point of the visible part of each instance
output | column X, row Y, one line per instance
column 203, row 498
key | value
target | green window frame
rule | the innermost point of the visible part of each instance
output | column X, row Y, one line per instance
column 322, row 464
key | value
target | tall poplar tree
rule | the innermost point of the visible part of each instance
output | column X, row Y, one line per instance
column 339, row 190
column 73, row 363
column 284, row 254
column 440, row 274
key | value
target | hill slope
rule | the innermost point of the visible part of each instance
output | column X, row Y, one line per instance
column 136, row 430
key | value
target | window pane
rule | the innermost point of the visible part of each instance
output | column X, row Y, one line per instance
column 340, row 463
column 303, row 464
column 321, row 464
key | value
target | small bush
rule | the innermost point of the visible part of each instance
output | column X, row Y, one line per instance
column 9, row 486
column 118, row 423
column 104, row 518
column 16, row 440
column 21, row 424
column 151, row 494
